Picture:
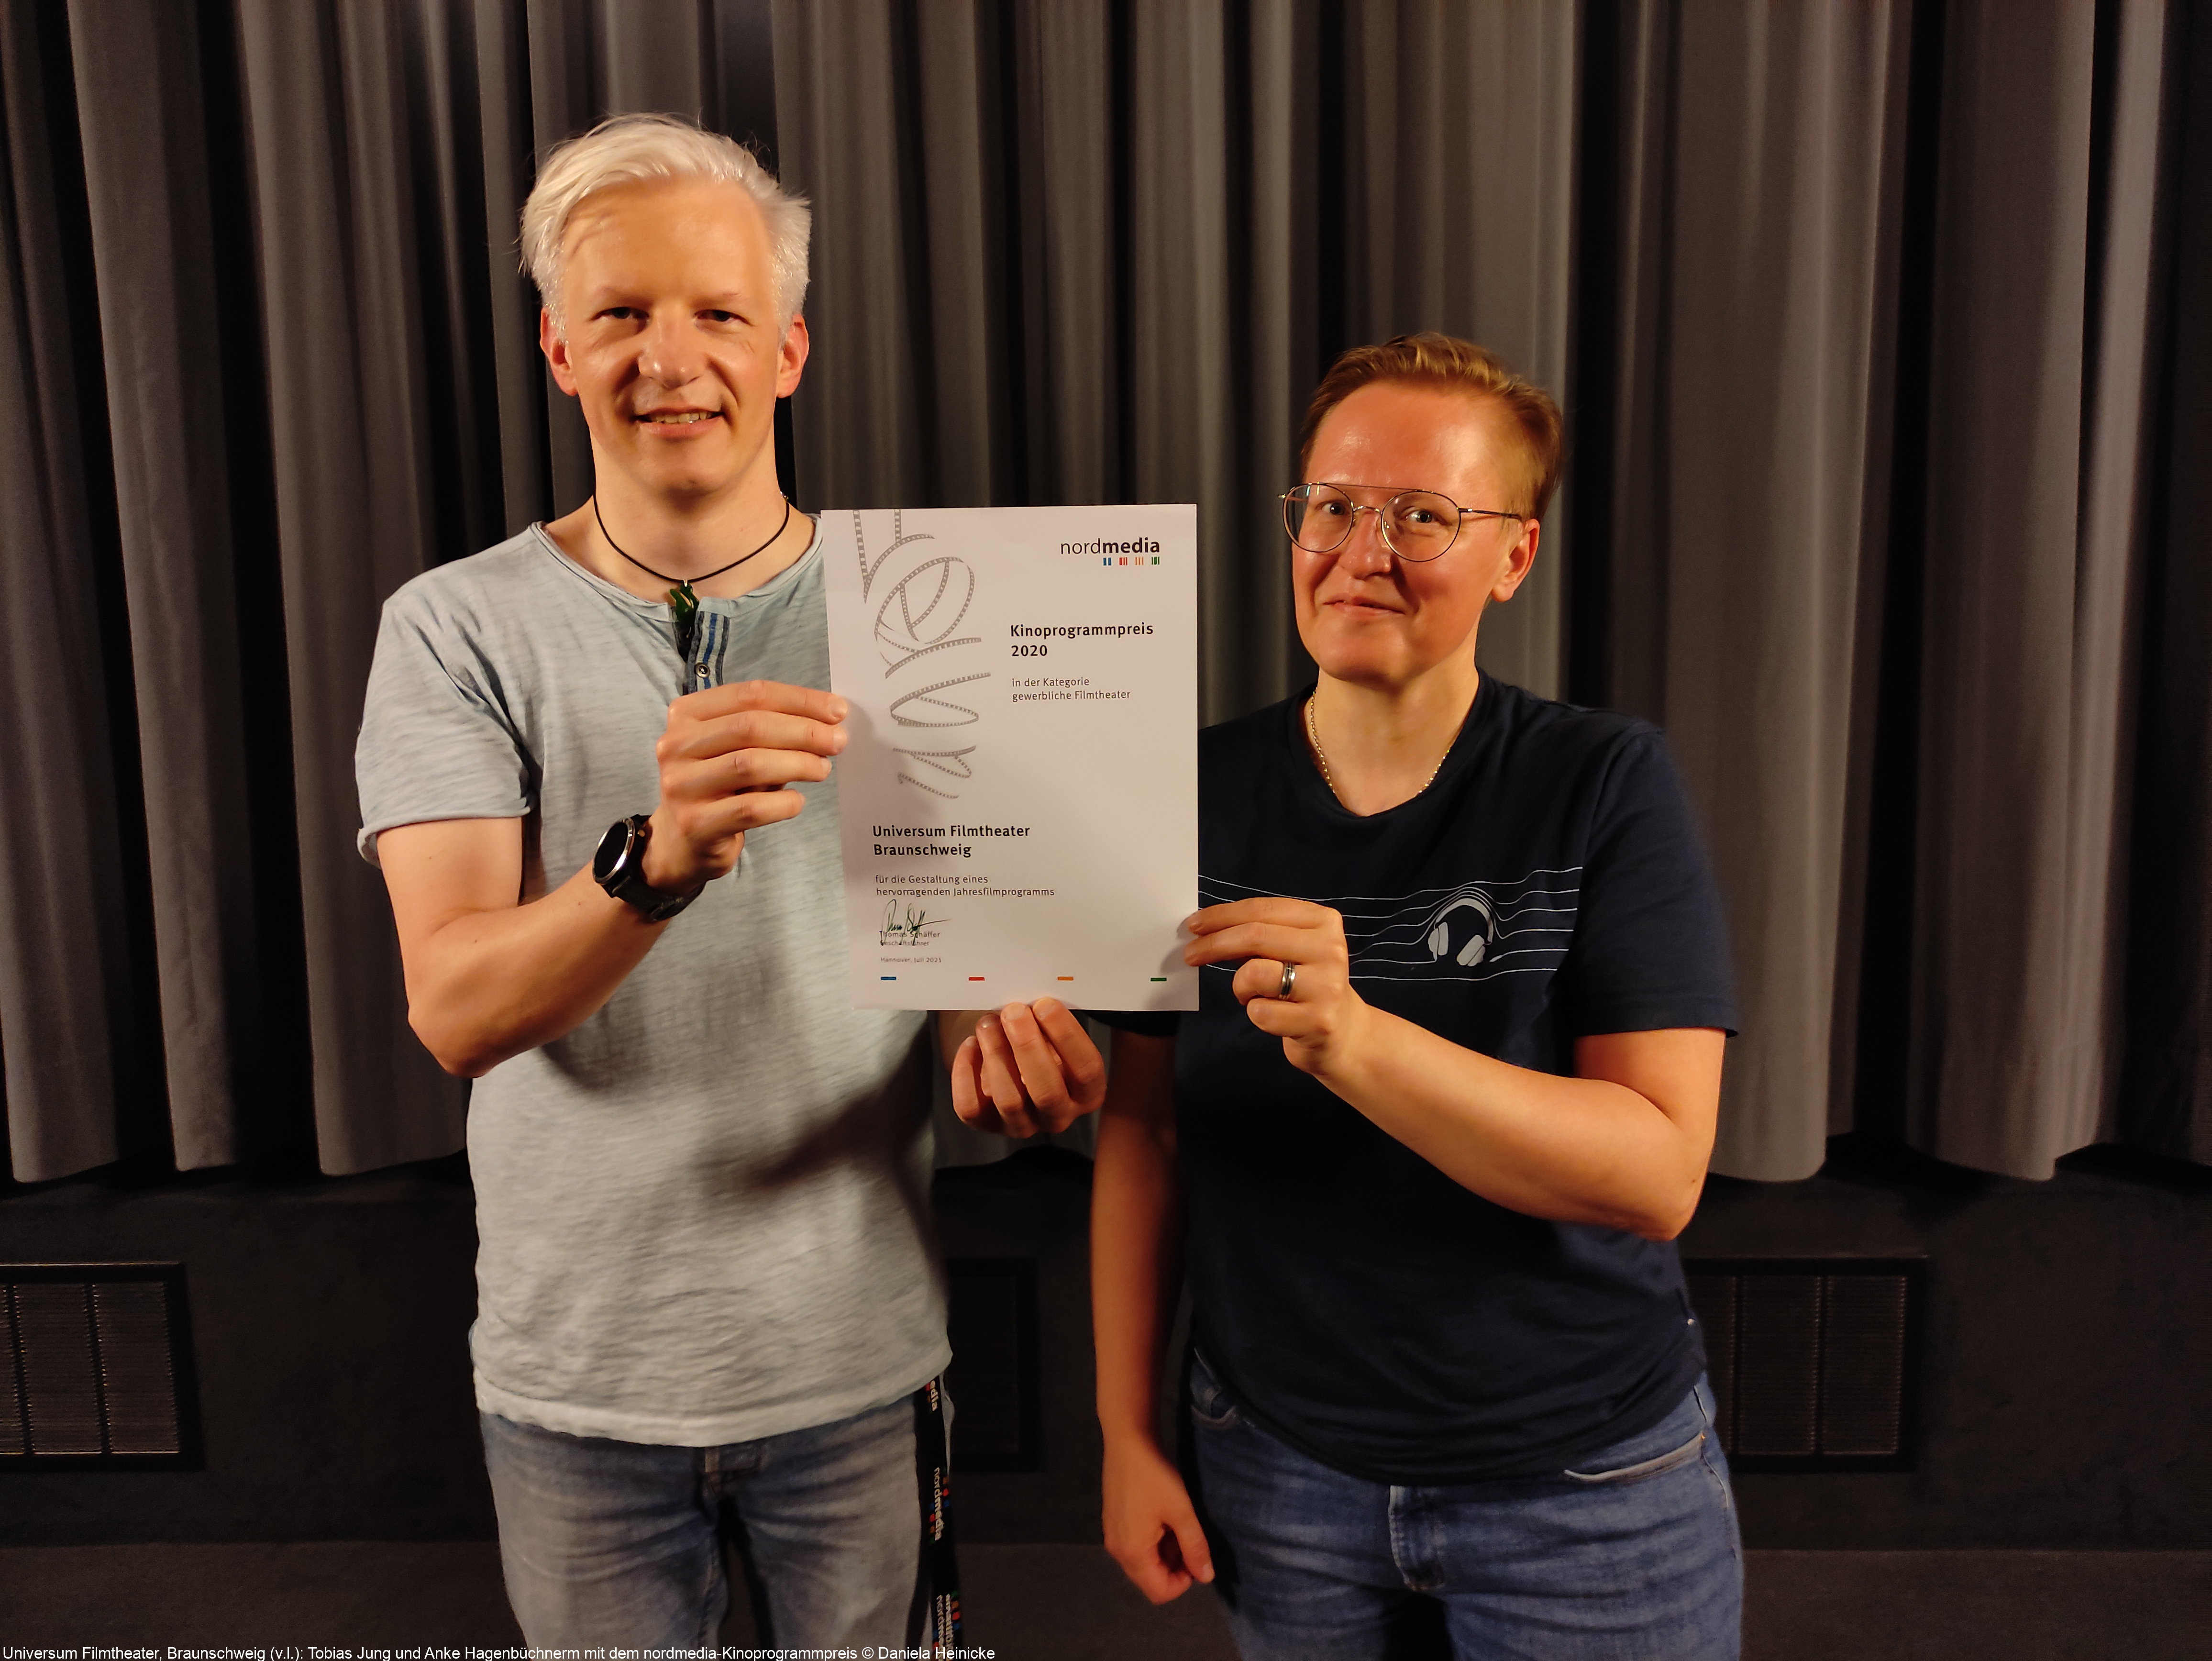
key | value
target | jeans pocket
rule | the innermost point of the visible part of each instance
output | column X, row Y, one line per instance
column 1623, row 1475
column 1211, row 1408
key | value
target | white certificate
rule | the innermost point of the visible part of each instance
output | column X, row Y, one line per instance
column 1018, row 798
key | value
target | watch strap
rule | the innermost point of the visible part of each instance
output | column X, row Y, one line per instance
column 624, row 876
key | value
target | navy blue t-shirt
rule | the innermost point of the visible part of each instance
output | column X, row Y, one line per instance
column 1549, row 884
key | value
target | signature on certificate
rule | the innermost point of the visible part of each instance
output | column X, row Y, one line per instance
column 909, row 929
column 920, row 618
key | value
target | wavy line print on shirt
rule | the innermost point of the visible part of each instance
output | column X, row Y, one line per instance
column 1476, row 931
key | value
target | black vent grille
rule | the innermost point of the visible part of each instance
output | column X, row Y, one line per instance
column 1813, row 1360
column 994, row 1379
column 95, row 1367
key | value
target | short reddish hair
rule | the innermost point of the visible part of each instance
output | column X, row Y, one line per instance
column 1445, row 362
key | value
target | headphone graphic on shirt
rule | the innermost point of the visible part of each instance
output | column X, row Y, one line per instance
column 1478, row 943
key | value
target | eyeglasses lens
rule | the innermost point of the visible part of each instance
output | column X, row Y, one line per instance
column 1318, row 517
column 1422, row 524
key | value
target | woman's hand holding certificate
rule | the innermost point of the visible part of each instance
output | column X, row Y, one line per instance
column 1295, row 981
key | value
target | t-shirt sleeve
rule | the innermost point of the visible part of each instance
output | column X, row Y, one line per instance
column 1650, row 941
column 436, row 743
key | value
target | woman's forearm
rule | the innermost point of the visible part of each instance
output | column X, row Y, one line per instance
column 1136, row 1263
column 1585, row 1149
column 1623, row 1143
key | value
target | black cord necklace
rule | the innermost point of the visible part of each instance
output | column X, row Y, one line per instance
column 681, row 599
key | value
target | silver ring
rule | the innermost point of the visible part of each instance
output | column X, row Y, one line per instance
column 1290, row 979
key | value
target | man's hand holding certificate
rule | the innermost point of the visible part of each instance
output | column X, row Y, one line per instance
column 1018, row 799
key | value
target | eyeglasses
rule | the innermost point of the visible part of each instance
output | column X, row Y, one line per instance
column 1416, row 524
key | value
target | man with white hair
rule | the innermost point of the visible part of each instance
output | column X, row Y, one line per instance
column 707, row 1298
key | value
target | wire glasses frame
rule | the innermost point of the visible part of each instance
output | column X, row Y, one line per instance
column 1416, row 525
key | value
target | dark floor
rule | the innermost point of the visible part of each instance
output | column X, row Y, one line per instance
column 1069, row 1604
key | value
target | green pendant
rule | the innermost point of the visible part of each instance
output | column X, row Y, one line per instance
column 685, row 605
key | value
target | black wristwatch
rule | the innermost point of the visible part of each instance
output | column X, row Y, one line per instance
column 619, row 867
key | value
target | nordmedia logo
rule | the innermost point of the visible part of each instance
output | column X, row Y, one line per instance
column 1140, row 550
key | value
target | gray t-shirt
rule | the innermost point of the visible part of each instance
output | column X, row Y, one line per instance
column 704, row 1214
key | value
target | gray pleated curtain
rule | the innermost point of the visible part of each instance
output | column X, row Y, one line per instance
column 1859, row 311
column 267, row 357
column 1884, row 331
column 1889, row 298
column 1068, row 251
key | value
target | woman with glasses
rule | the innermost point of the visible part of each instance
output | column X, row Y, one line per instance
column 1423, row 1150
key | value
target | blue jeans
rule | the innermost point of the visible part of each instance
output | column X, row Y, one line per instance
column 1633, row 1553
column 611, row 1542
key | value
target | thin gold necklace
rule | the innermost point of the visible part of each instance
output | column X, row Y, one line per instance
column 1313, row 732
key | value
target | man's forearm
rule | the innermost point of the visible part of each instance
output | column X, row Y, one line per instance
column 490, row 984
column 1136, row 1264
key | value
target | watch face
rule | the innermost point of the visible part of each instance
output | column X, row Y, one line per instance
column 612, row 847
